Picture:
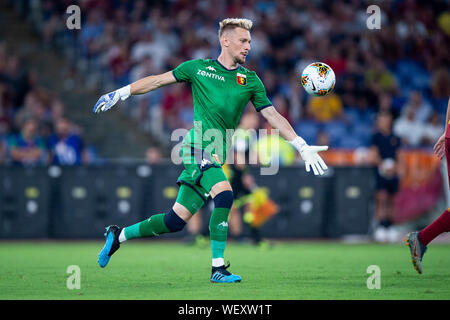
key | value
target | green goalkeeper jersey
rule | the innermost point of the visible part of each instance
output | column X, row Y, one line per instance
column 220, row 96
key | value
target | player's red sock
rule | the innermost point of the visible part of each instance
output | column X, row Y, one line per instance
column 438, row 226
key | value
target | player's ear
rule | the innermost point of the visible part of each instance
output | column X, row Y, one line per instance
column 224, row 41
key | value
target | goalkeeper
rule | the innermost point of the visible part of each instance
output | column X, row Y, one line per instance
column 221, row 89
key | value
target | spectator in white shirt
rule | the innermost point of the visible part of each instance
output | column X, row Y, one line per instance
column 409, row 129
column 146, row 47
column 432, row 130
column 421, row 108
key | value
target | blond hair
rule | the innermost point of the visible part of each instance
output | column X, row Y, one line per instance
column 231, row 23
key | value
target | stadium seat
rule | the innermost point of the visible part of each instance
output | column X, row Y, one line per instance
column 440, row 105
column 335, row 130
column 363, row 131
column 308, row 130
column 412, row 75
column 398, row 102
column 352, row 114
column 351, row 141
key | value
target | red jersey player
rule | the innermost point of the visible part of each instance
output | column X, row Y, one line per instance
column 418, row 240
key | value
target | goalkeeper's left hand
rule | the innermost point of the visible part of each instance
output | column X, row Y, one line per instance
column 439, row 147
column 310, row 155
column 107, row 101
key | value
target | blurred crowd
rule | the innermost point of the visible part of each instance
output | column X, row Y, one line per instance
column 33, row 127
column 391, row 93
column 403, row 67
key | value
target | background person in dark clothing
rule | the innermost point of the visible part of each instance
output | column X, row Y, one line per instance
column 384, row 149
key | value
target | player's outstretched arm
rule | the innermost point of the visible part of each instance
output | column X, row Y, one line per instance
column 141, row 86
column 309, row 154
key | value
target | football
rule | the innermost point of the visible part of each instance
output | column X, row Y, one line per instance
column 318, row 79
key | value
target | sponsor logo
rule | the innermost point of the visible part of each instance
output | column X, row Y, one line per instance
column 211, row 68
column 210, row 75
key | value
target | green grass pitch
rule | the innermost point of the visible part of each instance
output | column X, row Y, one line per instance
column 171, row 270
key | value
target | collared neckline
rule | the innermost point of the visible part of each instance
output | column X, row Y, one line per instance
column 218, row 62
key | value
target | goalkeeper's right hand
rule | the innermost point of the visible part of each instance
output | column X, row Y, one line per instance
column 310, row 155
column 107, row 101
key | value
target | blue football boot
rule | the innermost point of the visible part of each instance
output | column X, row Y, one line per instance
column 222, row 275
column 112, row 244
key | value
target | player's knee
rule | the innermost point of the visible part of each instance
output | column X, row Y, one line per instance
column 173, row 222
column 224, row 199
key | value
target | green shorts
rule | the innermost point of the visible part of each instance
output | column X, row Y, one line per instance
column 201, row 172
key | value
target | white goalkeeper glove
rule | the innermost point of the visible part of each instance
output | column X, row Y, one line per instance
column 107, row 101
column 310, row 155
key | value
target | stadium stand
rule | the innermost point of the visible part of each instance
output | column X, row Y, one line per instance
column 404, row 69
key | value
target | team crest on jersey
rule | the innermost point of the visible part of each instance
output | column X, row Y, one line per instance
column 242, row 79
